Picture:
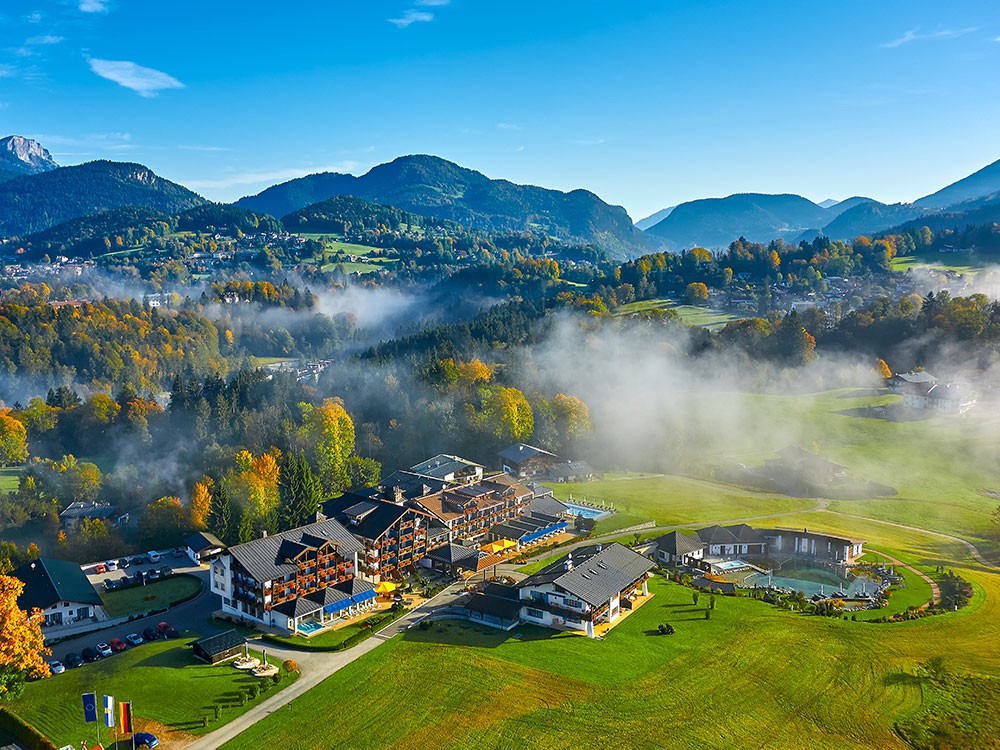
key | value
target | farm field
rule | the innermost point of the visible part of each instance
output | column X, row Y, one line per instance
column 836, row 684
column 9, row 478
column 153, row 595
column 960, row 262
column 171, row 693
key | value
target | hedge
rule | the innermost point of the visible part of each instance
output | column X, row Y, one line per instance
column 26, row 735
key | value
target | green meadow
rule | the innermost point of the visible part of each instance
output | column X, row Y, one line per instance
column 691, row 315
column 172, row 693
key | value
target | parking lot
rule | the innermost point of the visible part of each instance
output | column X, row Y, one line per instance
column 178, row 563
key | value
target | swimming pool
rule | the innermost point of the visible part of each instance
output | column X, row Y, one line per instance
column 310, row 626
column 586, row 511
column 730, row 565
column 859, row 587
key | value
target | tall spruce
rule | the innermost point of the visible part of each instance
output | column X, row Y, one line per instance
column 221, row 518
column 299, row 492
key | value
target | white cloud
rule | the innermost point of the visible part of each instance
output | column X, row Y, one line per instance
column 508, row 126
column 914, row 35
column 997, row 39
column 237, row 179
column 144, row 81
column 410, row 17
column 44, row 39
column 35, row 17
column 93, row 6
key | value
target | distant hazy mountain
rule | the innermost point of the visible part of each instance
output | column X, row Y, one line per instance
column 715, row 222
column 31, row 203
column 654, row 219
column 431, row 186
column 828, row 203
column 869, row 217
column 984, row 182
column 19, row 155
column 848, row 203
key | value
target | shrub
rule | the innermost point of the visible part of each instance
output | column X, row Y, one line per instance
column 276, row 678
column 218, row 712
column 290, row 665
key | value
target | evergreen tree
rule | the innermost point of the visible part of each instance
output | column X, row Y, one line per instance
column 221, row 517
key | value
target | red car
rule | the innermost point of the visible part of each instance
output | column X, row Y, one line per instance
column 101, row 568
column 118, row 645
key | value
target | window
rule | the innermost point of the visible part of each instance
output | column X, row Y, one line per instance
column 574, row 603
column 536, row 613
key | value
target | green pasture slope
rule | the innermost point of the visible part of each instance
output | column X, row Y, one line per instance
column 753, row 675
column 706, row 317
column 170, row 690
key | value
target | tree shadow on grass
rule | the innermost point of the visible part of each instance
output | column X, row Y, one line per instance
column 863, row 393
column 890, row 413
column 902, row 678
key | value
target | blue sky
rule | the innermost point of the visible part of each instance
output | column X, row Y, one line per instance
column 646, row 103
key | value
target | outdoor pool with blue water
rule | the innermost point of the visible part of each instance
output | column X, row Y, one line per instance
column 309, row 627
column 586, row 511
column 859, row 587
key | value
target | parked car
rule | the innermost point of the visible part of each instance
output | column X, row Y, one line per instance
column 90, row 654
column 124, row 562
column 118, row 645
column 138, row 577
column 56, row 667
column 134, row 639
column 179, row 552
column 151, row 634
column 73, row 660
column 166, row 570
column 111, row 565
column 104, row 649
column 138, row 559
column 145, row 738
column 101, row 568
column 153, row 556
column 166, row 630
column 109, row 584
column 152, row 575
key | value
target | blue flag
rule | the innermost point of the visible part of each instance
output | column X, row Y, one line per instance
column 109, row 710
column 90, row 707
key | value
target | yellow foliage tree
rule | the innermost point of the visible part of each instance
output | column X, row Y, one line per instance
column 201, row 503
column 883, row 370
column 22, row 645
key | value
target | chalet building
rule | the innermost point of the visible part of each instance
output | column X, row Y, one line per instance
column 571, row 471
column 497, row 605
column 715, row 544
column 470, row 511
column 79, row 511
column 457, row 560
column 448, row 468
column 394, row 536
column 219, row 647
column 586, row 587
column 203, row 547
column 61, row 590
column 281, row 579
column 729, row 541
column 921, row 390
column 401, row 486
column 676, row 548
column 522, row 460
column 811, row 544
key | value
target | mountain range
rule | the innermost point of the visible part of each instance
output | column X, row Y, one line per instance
column 433, row 187
column 37, row 194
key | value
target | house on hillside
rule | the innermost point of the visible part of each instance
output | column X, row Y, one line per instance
column 523, row 460
column 811, row 544
column 219, row 647
column 79, row 511
column 295, row 577
column 591, row 585
column 921, row 390
column 457, row 560
column 571, row 471
column 727, row 541
column 61, row 590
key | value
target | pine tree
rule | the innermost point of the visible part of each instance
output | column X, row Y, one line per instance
column 246, row 530
column 221, row 518
column 310, row 494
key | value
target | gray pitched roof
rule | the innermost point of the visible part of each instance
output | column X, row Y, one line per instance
column 442, row 465
column 220, row 643
column 202, row 541
column 676, row 543
column 304, row 605
column 265, row 559
column 522, row 452
column 49, row 581
column 716, row 535
column 378, row 516
column 547, row 505
column 597, row 574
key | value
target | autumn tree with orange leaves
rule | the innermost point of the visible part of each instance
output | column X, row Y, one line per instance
column 22, row 645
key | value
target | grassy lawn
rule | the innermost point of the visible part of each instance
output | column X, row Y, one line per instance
column 9, row 478
column 170, row 690
column 674, row 500
column 706, row 317
column 753, row 675
column 151, row 596
column 915, row 593
column 258, row 362
column 960, row 262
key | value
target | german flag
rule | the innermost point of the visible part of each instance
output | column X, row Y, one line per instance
column 125, row 717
